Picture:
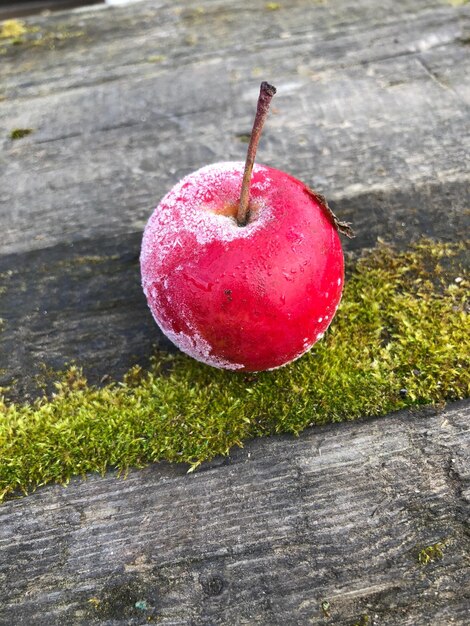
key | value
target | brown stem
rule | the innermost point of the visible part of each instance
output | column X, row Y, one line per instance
column 266, row 94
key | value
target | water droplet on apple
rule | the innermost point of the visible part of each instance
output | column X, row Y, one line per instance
column 283, row 299
column 200, row 283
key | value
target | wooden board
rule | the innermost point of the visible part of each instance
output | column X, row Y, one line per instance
column 339, row 515
column 12, row 9
column 372, row 110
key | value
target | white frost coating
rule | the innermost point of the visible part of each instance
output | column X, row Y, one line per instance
column 261, row 186
column 197, row 347
column 194, row 345
column 187, row 208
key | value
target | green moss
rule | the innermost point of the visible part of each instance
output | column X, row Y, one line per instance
column 15, row 32
column 432, row 553
column 19, row 133
column 244, row 137
column 325, row 607
column 156, row 58
column 52, row 39
column 399, row 340
column 19, row 33
column 12, row 29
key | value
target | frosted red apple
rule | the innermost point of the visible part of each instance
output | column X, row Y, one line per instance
column 251, row 297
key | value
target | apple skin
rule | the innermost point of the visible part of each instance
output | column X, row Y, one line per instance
column 251, row 297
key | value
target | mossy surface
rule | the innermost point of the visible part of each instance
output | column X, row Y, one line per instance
column 400, row 339
column 19, row 133
column 432, row 553
column 20, row 33
column 11, row 29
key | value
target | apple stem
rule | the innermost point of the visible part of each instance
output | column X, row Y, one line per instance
column 266, row 94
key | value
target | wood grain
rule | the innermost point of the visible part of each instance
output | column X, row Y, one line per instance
column 370, row 101
column 338, row 515
column 372, row 111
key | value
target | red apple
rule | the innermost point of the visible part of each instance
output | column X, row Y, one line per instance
column 246, row 294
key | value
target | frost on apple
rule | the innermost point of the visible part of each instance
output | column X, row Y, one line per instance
column 283, row 290
column 190, row 209
column 194, row 203
column 242, row 264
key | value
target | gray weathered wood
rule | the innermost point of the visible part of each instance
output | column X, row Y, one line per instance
column 372, row 110
column 370, row 102
column 13, row 9
column 82, row 303
column 338, row 515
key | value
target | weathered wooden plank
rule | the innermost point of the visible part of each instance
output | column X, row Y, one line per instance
column 114, row 131
column 372, row 110
column 338, row 515
column 82, row 302
column 12, row 10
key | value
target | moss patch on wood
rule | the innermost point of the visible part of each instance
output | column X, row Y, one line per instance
column 429, row 554
column 11, row 29
column 400, row 339
column 19, row 33
column 19, row 133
